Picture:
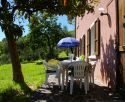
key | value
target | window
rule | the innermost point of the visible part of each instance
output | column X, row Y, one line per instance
column 83, row 45
column 93, row 39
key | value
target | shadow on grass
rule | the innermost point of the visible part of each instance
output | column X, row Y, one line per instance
column 25, row 88
column 12, row 94
column 39, row 63
column 25, row 62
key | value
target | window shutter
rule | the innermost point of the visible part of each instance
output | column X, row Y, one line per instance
column 76, row 51
column 80, row 48
column 88, row 42
column 83, row 45
column 97, row 37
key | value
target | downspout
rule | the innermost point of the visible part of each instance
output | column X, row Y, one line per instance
column 109, row 18
column 118, row 74
column 109, row 3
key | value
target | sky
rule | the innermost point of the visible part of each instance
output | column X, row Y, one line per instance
column 61, row 19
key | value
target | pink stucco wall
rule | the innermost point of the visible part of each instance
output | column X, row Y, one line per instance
column 105, row 71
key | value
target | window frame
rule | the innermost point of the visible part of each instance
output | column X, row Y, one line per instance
column 96, row 39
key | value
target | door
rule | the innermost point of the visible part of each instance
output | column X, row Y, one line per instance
column 121, row 40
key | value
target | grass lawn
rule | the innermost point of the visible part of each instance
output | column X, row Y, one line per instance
column 34, row 76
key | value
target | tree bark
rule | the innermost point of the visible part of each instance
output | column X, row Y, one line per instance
column 16, row 66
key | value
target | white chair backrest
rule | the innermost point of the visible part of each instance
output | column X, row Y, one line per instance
column 79, row 69
column 49, row 66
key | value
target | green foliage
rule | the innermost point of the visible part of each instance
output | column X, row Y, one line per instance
column 82, row 57
column 10, row 91
column 45, row 34
column 4, row 59
column 4, row 47
column 4, row 54
column 62, row 56
column 25, row 51
column 72, row 33
column 1, row 47
column 72, row 8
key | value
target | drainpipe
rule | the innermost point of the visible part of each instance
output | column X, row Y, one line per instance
column 108, row 5
column 118, row 73
column 106, row 8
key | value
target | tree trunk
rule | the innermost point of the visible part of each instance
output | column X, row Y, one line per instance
column 50, row 48
column 16, row 66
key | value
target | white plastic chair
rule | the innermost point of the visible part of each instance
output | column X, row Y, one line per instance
column 52, row 69
column 79, row 72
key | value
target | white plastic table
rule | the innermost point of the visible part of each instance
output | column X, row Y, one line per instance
column 65, row 64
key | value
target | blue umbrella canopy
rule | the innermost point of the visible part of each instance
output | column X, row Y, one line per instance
column 68, row 42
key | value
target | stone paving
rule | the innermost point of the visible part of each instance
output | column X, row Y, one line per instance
column 53, row 93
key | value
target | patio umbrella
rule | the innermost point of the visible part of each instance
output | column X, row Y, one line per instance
column 68, row 42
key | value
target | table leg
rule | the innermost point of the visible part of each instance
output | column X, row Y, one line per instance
column 62, row 86
column 66, row 78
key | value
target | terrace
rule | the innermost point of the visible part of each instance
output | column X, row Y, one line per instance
column 52, row 93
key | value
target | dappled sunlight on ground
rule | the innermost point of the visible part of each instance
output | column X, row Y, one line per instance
column 53, row 93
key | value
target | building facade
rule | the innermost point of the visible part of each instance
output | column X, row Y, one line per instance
column 102, row 33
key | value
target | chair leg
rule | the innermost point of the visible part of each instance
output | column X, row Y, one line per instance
column 59, row 80
column 90, row 77
column 62, row 76
column 93, row 79
column 80, row 83
column 47, row 76
column 87, row 82
column 71, row 85
column 66, row 78
column 86, row 86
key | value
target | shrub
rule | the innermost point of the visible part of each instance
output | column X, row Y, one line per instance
column 62, row 56
column 5, row 59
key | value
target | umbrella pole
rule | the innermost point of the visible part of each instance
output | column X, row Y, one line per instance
column 67, row 52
